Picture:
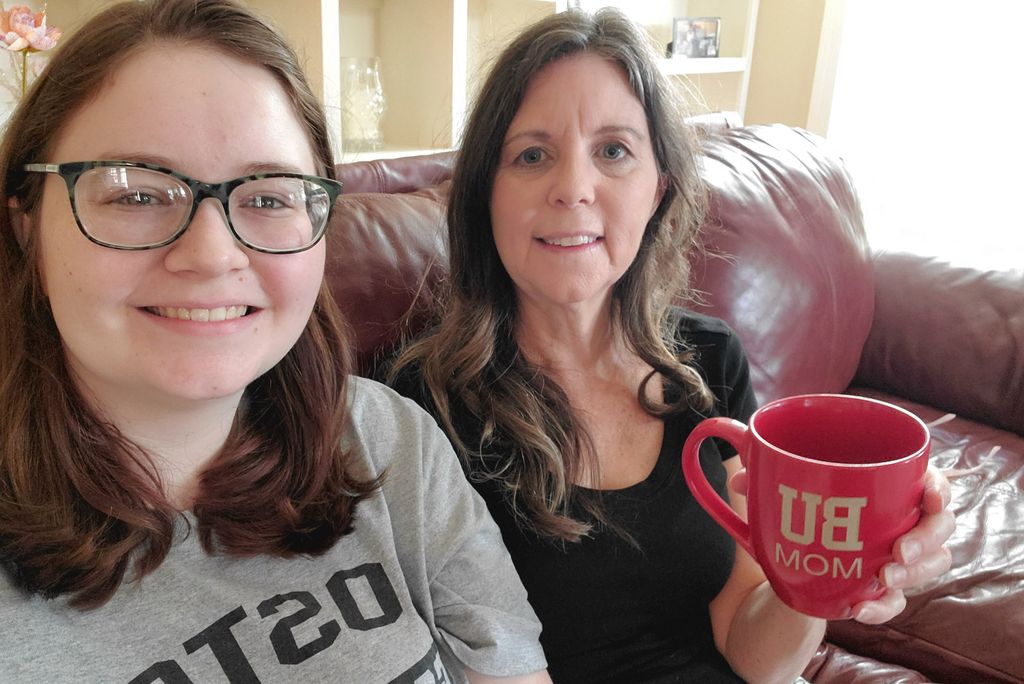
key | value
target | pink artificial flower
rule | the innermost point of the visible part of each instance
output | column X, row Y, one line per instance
column 23, row 29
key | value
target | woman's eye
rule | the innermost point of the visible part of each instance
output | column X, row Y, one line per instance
column 137, row 198
column 613, row 151
column 265, row 202
column 531, row 155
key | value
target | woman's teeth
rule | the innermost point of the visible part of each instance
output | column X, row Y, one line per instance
column 573, row 241
column 221, row 313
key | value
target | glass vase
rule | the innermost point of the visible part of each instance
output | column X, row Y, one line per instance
column 362, row 104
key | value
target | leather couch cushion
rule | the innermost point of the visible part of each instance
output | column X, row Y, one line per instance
column 788, row 265
column 973, row 367
column 382, row 250
column 836, row 665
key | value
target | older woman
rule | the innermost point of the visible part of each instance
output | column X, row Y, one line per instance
column 192, row 487
column 568, row 382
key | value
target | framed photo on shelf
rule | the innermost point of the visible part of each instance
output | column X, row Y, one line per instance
column 695, row 36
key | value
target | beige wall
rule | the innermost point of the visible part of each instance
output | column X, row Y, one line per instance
column 790, row 82
column 492, row 25
column 294, row 24
column 786, row 54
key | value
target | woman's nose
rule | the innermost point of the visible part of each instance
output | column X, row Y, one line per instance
column 573, row 180
column 207, row 246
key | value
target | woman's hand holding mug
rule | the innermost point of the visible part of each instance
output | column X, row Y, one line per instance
column 836, row 487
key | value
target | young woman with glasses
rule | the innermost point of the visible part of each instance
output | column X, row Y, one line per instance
column 193, row 487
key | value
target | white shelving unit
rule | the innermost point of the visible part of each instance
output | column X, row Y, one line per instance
column 713, row 83
column 686, row 66
column 433, row 53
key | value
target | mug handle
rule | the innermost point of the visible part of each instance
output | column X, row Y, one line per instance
column 736, row 434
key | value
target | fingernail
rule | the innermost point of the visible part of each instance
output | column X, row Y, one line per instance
column 865, row 614
column 895, row 576
column 910, row 550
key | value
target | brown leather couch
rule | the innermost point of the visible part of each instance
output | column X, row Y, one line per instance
column 789, row 268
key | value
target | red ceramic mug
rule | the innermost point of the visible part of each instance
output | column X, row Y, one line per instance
column 833, row 481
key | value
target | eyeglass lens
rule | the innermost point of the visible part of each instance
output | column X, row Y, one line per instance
column 134, row 207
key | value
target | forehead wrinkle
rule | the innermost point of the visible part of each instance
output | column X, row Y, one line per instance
column 602, row 131
column 593, row 110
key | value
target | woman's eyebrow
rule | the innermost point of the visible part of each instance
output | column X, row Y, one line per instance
column 532, row 134
column 137, row 157
column 253, row 168
column 621, row 129
column 272, row 167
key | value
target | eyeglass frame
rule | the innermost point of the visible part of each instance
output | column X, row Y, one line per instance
column 72, row 171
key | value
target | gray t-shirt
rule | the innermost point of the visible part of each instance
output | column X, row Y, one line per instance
column 422, row 587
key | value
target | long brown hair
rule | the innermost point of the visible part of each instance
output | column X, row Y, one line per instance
column 80, row 505
column 525, row 434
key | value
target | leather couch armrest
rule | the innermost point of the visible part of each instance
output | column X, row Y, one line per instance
column 948, row 337
column 403, row 174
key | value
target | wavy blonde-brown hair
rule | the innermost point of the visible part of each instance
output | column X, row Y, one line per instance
column 80, row 505
column 522, row 431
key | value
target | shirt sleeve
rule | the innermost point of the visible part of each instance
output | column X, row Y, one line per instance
column 735, row 394
column 479, row 602
column 450, row 547
column 721, row 361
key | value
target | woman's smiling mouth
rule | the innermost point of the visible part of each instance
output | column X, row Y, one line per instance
column 570, row 241
column 220, row 313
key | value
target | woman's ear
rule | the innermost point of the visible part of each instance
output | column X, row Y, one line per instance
column 21, row 223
